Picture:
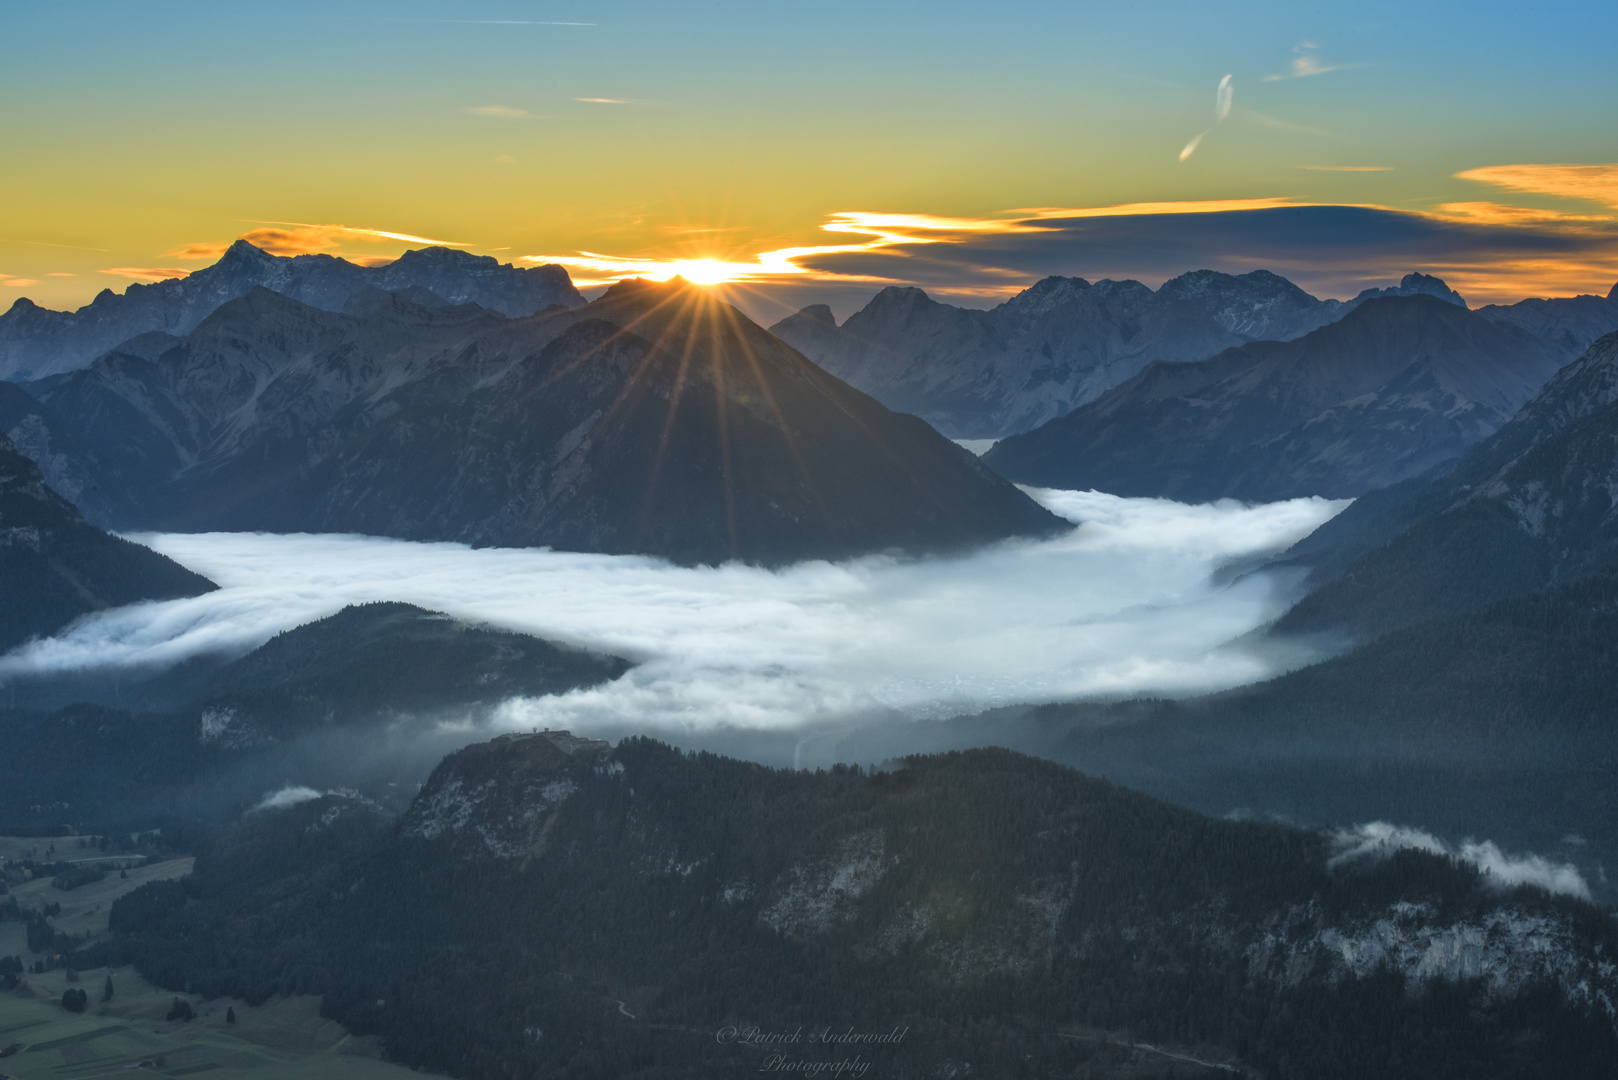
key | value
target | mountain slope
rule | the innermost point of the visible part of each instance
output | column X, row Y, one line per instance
column 653, row 421
column 55, row 567
column 36, row 342
column 1395, row 388
column 994, row 915
column 1532, row 505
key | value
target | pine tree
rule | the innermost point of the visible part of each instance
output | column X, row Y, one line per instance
column 230, row 1014
column 106, row 989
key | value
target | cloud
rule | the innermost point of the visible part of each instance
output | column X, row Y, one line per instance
column 147, row 273
column 205, row 251
column 1379, row 839
column 1347, row 168
column 20, row 282
column 1593, row 183
column 1329, row 250
column 60, row 273
column 504, row 112
column 1224, row 95
column 287, row 796
column 605, row 101
column 1127, row 603
column 1306, row 62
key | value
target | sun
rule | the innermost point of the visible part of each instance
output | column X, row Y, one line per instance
column 703, row 271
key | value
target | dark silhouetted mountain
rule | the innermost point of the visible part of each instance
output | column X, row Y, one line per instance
column 54, row 566
column 1532, row 505
column 1396, row 388
column 1571, row 323
column 656, row 420
column 36, row 342
column 1046, row 351
column 369, row 698
column 552, row 906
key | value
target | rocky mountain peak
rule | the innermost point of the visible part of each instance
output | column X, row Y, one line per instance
column 819, row 313
column 243, row 255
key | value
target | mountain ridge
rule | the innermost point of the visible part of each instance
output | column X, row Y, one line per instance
column 36, row 342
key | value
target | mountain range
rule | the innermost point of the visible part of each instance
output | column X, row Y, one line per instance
column 1065, row 341
column 1394, row 389
column 655, row 420
column 36, row 342
column 55, row 566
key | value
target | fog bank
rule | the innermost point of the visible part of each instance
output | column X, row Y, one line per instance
column 1130, row 602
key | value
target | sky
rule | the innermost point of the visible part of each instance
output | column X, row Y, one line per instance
column 967, row 148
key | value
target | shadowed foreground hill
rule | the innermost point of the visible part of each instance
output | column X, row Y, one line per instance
column 54, row 566
column 551, row 907
column 655, row 420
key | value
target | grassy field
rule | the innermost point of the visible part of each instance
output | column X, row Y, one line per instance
column 283, row 1039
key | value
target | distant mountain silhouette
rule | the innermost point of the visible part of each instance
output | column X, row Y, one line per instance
column 656, row 420
column 1394, row 389
column 1533, row 505
column 36, row 342
column 1065, row 341
column 55, row 567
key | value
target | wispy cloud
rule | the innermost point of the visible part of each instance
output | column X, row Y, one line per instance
column 503, row 112
column 1493, row 213
column 19, row 282
column 1306, row 62
column 1379, row 839
column 146, row 273
column 60, row 273
column 1594, row 183
column 607, row 101
column 1224, row 96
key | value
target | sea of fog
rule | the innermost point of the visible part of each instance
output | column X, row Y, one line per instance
column 1145, row 596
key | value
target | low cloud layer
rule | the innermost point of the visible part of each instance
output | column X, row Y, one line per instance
column 1380, row 839
column 1127, row 603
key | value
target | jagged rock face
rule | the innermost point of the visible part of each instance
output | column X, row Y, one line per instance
column 36, row 342
column 1393, row 390
column 1535, row 504
column 655, row 421
column 55, row 567
column 499, row 799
